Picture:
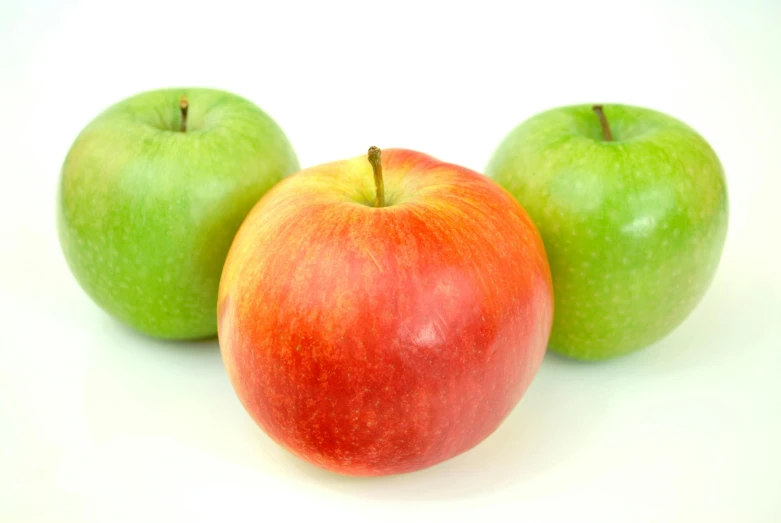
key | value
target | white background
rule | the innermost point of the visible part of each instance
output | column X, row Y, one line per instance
column 100, row 424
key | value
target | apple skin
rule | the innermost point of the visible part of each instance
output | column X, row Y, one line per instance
column 373, row 341
column 634, row 227
column 146, row 213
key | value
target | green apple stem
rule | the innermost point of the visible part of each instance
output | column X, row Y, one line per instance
column 183, row 106
column 608, row 135
column 375, row 158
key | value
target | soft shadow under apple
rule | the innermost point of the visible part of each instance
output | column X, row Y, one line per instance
column 548, row 427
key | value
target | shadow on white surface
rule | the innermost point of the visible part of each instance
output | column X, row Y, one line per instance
column 560, row 414
column 176, row 393
column 532, row 441
column 722, row 333
column 166, row 411
column 147, row 386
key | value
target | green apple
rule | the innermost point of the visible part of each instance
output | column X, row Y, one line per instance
column 151, row 195
column 632, row 208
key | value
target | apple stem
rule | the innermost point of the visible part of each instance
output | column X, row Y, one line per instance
column 603, row 122
column 183, row 106
column 375, row 158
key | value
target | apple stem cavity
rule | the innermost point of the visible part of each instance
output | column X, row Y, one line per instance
column 183, row 106
column 375, row 158
column 606, row 132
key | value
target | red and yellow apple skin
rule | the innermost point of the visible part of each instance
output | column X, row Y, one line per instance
column 382, row 340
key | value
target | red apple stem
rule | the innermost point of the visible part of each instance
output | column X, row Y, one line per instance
column 183, row 106
column 606, row 132
column 375, row 158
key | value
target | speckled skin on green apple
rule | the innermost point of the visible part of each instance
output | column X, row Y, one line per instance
column 146, row 213
column 633, row 227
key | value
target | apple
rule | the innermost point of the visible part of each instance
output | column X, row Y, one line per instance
column 150, row 196
column 378, row 317
column 632, row 207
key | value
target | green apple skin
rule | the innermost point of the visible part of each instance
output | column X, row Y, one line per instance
column 146, row 213
column 634, row 227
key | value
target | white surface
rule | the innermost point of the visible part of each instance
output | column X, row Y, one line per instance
column 100, row 424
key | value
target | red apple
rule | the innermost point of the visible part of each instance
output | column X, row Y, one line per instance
column 375, row 331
